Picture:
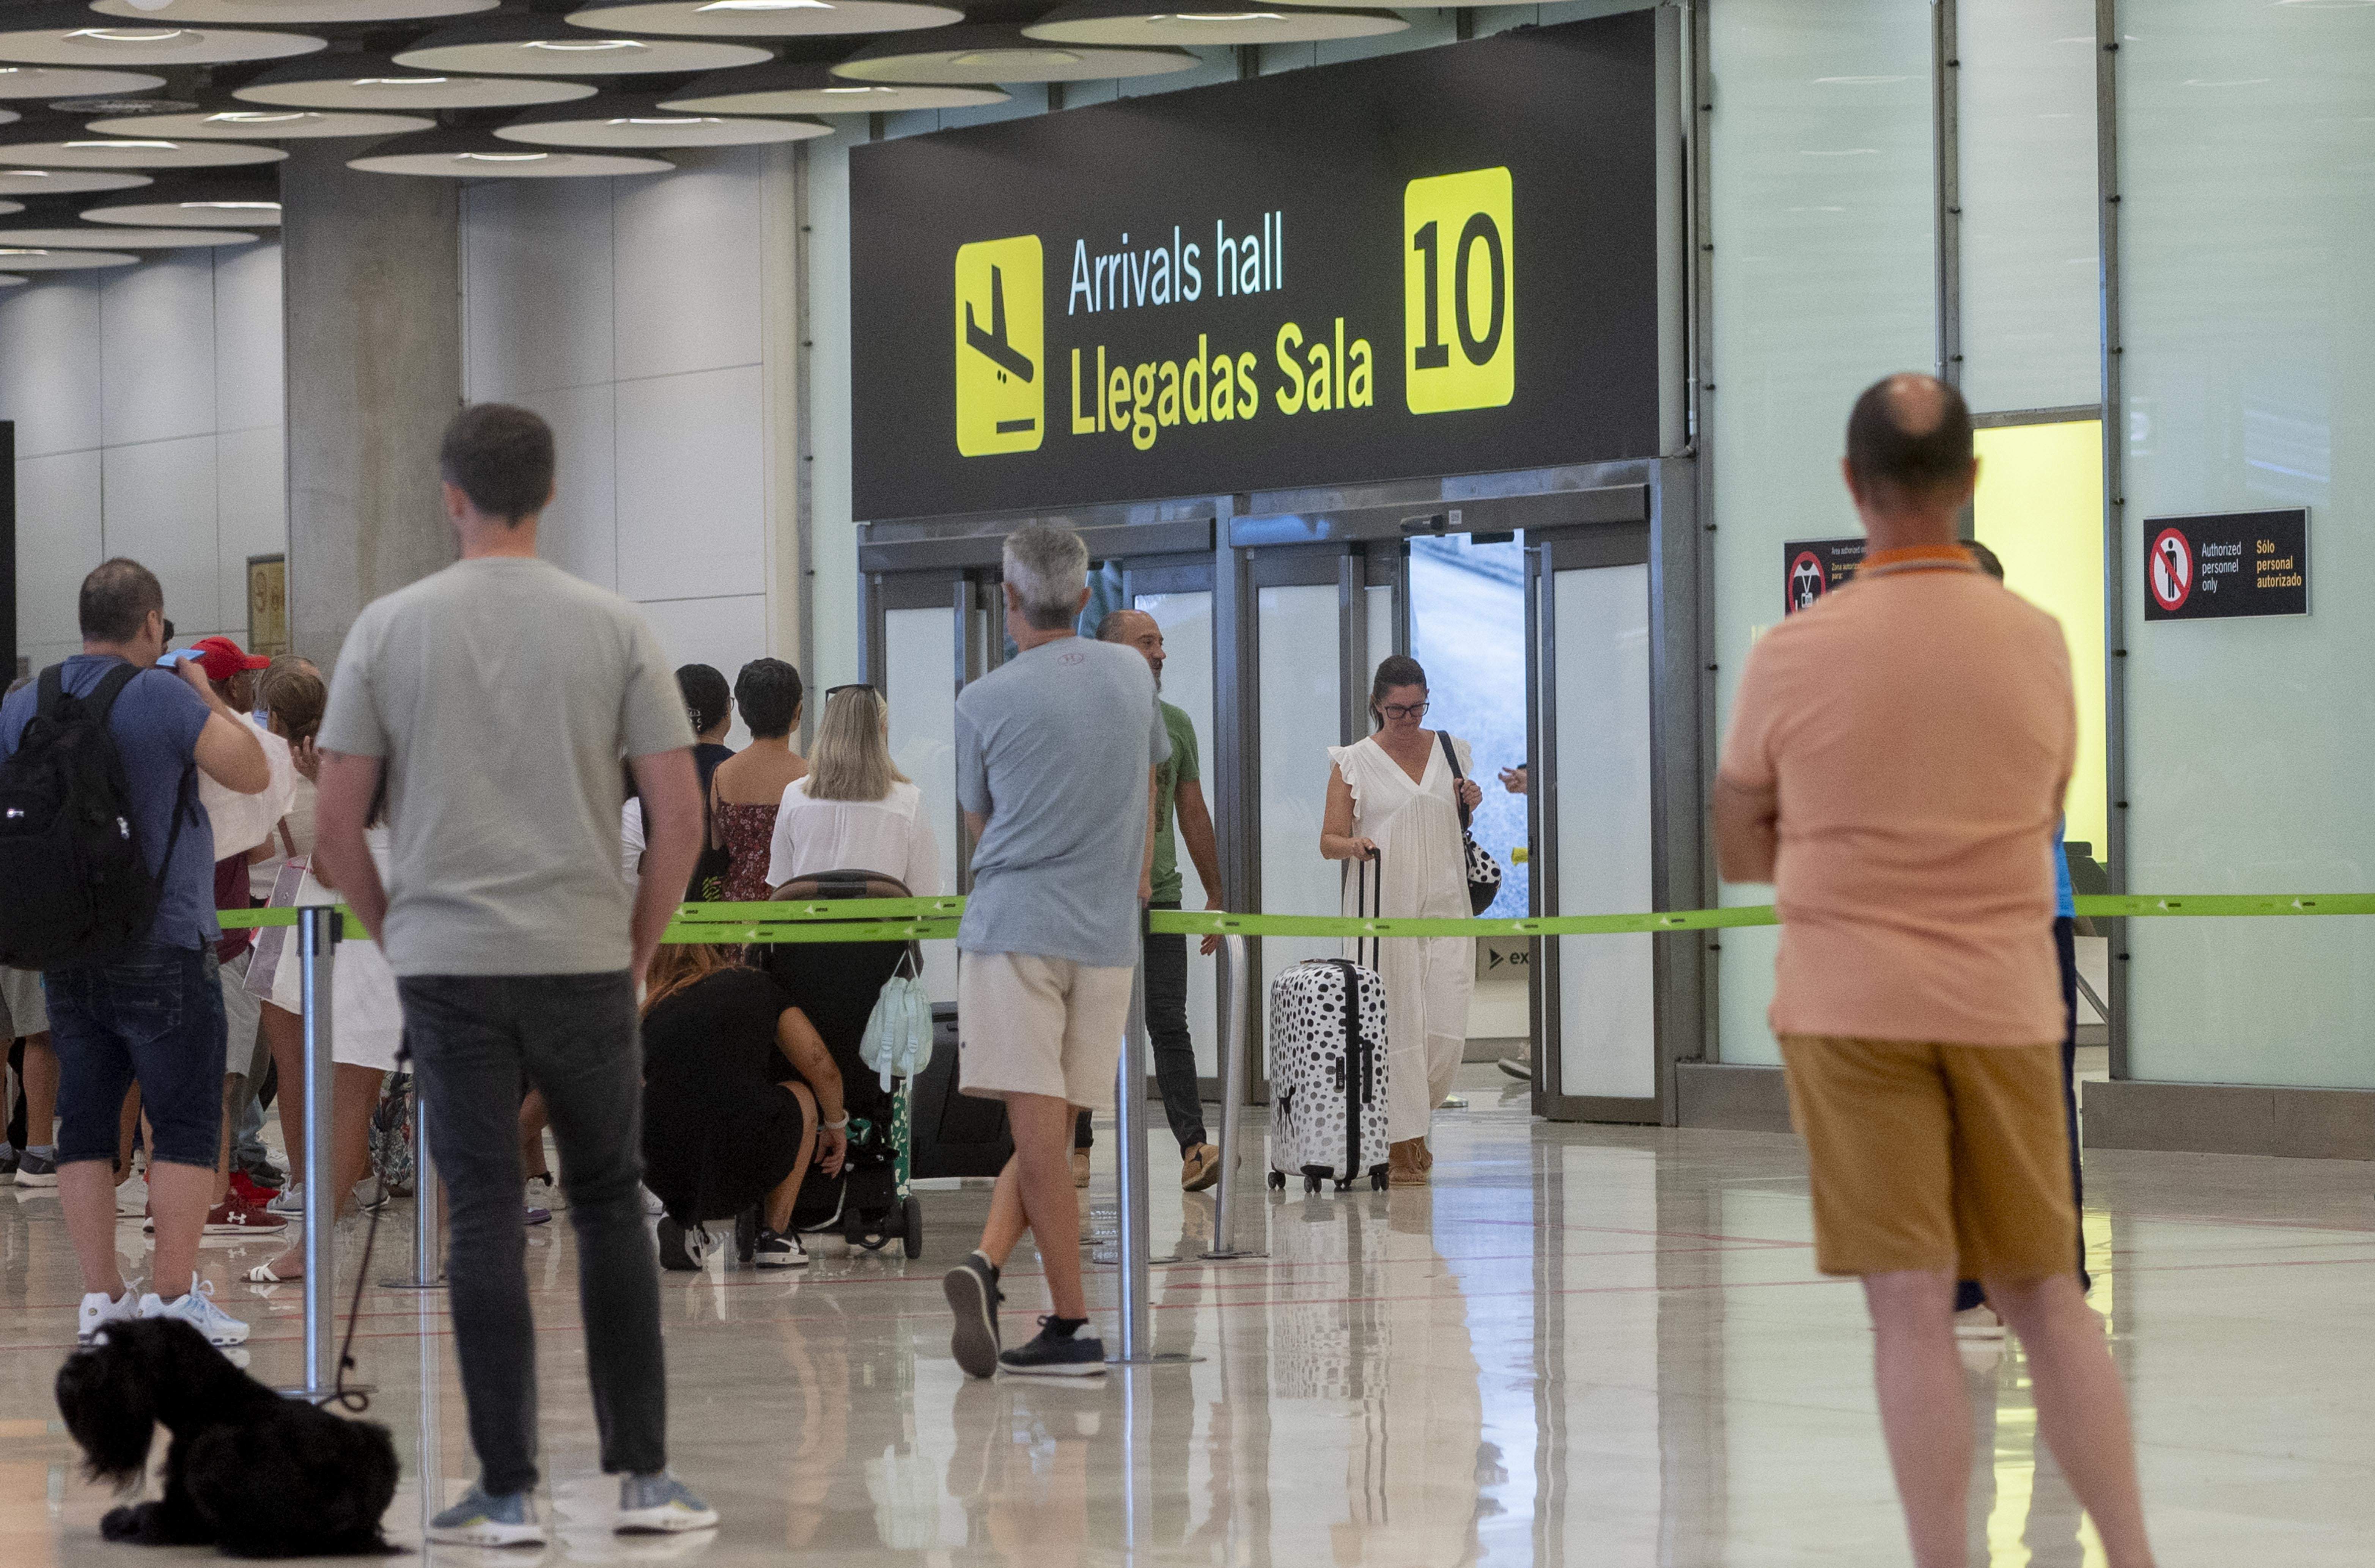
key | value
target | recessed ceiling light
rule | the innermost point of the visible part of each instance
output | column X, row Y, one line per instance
column 587, row 45
column 132, row 35
column 115, row 146
column 259, row 116
column 233, row 206
column 504, row 157
column 401, row 81
column 456, row 154
column 766, row 5
column 621, row 120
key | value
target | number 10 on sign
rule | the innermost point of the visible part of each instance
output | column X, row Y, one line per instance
column 1458, row 292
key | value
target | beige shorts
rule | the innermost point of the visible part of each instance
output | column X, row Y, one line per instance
column 1031, row 1025
column 1946, row 1159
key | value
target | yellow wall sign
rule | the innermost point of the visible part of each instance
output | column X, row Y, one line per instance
column 1458, row 291
column 1002, row 347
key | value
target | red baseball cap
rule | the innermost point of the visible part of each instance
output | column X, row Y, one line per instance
column 224, row 658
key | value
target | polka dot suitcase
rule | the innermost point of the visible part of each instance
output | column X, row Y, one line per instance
column 1328, row 1068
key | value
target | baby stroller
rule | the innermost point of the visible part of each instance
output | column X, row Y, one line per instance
column 836, row 984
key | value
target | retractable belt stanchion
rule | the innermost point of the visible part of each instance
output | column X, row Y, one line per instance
column 1236, row 1001
column 1130, row 1167
column 317, row 942
column 428, row 1211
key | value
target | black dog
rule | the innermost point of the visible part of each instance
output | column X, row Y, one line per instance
column 257, row 1473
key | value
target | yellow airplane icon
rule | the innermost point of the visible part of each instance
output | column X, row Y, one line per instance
column 1000, row 397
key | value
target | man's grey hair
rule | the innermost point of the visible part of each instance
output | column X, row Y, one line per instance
column 1048, row 566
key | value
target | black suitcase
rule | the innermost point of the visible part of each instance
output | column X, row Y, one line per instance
column 953, row 1134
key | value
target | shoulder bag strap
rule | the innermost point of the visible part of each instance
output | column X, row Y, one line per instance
column 1458, row 778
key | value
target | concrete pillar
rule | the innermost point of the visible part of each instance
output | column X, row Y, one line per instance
column 371, row 302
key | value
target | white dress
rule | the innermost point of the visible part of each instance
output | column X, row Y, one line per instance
column 893, row 835
column 1428, row 979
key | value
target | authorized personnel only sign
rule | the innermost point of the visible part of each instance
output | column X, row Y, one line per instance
column 2236, row 563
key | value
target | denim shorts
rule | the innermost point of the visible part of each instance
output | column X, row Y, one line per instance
column 153, row 1016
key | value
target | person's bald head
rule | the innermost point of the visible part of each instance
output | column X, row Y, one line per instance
column 1909, row 441
column 1140, row 631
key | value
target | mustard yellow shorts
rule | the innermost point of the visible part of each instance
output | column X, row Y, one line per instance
column 1946, row 1159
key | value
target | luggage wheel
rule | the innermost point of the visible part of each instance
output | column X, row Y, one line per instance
column 912, row 1236
column 1310, row 1183
column 1278, row 1181
column 1378, row 1179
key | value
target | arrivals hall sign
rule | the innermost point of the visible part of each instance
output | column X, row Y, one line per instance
column 1439, row 262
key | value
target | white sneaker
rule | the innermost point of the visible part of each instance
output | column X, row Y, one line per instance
column 290, row 1201
column 98, row 1310
column 653, row 1207
column 198, row 1310
column 1979, row 1323
column 545, row 1193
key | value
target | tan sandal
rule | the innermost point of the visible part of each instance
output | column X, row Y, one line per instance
column 1402, row 1169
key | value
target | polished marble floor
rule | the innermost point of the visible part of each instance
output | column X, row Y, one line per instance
column 1590, row 1345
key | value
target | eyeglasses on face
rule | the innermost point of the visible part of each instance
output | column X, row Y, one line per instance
column 1405, row 710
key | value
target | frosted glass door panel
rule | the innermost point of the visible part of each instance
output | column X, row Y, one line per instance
column 1186, row 622
column 919, row 681
column 2249, row 327
column 1300, row 719
column 1378, row 604
column 1607, row 1019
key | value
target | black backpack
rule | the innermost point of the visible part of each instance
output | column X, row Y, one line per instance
column 79, row 888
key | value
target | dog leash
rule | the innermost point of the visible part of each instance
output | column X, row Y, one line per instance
column 354, row 1401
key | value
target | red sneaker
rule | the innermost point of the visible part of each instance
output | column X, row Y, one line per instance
column 235, row 1216
column 249, row 1192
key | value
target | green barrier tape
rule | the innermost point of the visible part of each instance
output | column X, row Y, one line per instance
column 934, row 920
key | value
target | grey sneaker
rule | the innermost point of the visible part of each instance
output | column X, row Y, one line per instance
column 481, row 1520
column 1074, row 1355
column 290, row 1202
column 660, row 1504
column 545, row 1193
column 37, row 1168
column 972, row 1290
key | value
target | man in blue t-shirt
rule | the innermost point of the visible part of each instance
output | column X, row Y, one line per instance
column 152, row 1013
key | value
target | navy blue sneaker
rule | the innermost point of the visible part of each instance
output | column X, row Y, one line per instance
column 972, row 1290
column 1048, row 1356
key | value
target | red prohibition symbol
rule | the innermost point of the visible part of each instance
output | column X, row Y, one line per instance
column 2169, row 572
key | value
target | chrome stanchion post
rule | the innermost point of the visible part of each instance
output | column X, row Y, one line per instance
column 1237, row 1002
column 1129, row 1163
column 428, row 1212
column 317, row 942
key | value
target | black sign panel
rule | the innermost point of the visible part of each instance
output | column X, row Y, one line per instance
column 1439, row 262
column 2233, row 565
column 1811, row 568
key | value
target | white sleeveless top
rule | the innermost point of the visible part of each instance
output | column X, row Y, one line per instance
column 1415, row 827
column 893, row 835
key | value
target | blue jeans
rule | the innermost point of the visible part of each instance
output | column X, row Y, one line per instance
column 576, row 1038
column 153, row 1017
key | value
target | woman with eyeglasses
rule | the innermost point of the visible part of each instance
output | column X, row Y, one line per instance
column 1395, row 797
column 855, row 810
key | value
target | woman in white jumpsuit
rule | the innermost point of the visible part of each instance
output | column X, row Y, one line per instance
column 1393, row 794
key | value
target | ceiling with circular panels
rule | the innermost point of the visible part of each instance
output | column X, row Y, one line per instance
column 269, row 124
column 33, row 258
column 373, row 83
column 545, row 46
column 289, row 13
column 64, row 181
column 637, row 120
column 475, row 155
column 783, row 86
column 203, row 202
column 1002, row 52
column 1128, row 22
column 762, row 19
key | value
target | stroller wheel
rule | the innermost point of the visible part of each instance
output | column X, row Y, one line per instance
column 853, row 1227
column 912, row 1211
column 1278, row 1181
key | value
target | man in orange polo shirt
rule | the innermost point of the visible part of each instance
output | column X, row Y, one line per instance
column 1896, row 765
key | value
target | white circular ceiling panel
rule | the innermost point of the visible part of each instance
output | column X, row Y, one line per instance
column 998, row 53
column 537, row 46
column 133, row 152
column 45, row 82
column 782, row 87
column 290, row 13
column 456, row 154
column 124, row 239
column 76, row 36
column 34, row 258
column 271, row 124
column 636, row 119
column 63, row 181
column 762, row 19
column 255, row 214
column 1138, row 22
column 375, row 84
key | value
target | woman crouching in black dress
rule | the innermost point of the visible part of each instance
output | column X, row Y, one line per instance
column 732, row 1077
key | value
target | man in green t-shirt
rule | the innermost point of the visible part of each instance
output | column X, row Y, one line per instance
column 1178, row 802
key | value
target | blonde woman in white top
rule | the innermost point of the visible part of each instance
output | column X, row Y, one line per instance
column 855, row 810
column 1393, row 794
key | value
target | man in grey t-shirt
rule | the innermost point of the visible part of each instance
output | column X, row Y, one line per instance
column 1055, row 757
column 493, row 701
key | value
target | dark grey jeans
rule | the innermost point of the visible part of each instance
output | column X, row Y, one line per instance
column 575, row 1037
column 1167, row 1036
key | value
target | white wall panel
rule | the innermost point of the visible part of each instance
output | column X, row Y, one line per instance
column 57, row 542
column 159, row 509
column 157, row 350
column 249, row 381
column 832, row 535
column 691, row 515
column 581, row 528
column 724, row 634
column 251, row 512
column 49, row 365
column 689, row 267
column 536, row 286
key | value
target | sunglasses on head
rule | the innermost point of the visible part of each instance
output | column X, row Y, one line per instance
column 832, row 691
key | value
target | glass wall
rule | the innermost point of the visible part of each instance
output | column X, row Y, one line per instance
column 919, row 687
column 1186, row 622
column 1301, row 716
column 1468, row 628
column 1819, row 190
column 2244, row 136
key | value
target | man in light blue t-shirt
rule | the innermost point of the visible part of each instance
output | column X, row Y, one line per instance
column 1055, row 757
